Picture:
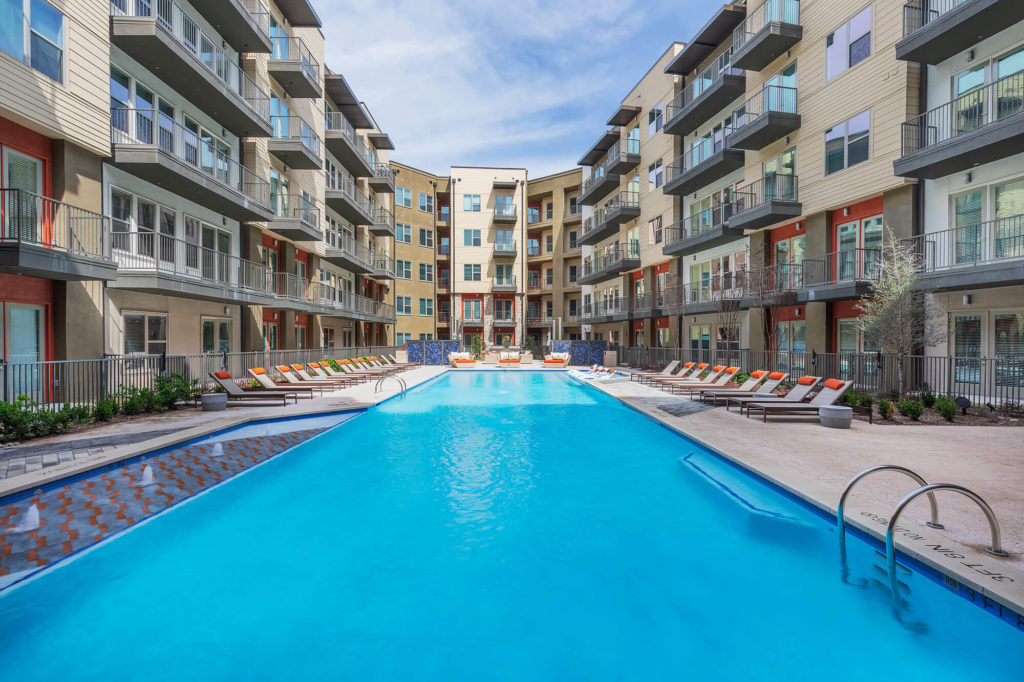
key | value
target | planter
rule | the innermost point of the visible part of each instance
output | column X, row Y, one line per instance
column 835, row 416
column 213, row 402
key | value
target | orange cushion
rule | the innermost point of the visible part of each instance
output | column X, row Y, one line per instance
column 284, row 368
column 222, row 375
column 702, row 365
column 718, row 368
column 297, row 367
column 731, row 370
column 315, row 365
column 756, row 375
column 688, row 364
column 776, row 376
column 807, row 381
column 258, row 370
column 834, row 384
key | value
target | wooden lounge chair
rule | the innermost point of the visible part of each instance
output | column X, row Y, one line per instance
column 829, row 394
column 260, row 375
column 804, row 387
column 668, row 371
column 237, row 394
column 771, row 383
column 690, row 388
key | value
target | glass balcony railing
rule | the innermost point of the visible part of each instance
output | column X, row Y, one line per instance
column 771, row 98
column 292, row 49
column 764, row 15
column 294, row 128
column 335, row 122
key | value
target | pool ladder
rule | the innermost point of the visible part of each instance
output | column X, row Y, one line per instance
column 400, row 380
column 924, row 488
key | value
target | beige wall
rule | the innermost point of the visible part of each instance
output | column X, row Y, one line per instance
column 416, row 181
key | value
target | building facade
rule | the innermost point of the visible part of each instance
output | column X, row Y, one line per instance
column 416, row 252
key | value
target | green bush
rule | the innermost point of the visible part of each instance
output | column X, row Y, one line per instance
column 866, row 400
column 945, row 406
column 739, row 378
column 928, row 398
column 886, row 410
column 104, row 410
column 912, row 409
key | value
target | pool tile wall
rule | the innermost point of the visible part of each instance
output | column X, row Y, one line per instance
column 431, row 352
column 582, row 352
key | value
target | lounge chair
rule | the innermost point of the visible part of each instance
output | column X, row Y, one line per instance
column 690, row 388
column 770, row 384
column 462, row 360
column 237, row 394
column 316, row 373
column 556, row 361
column 753, row 380
column 694, row 378
column 669, row 369
column 298, row 374
column 260, row 375
column 328, row 371
column 800, row 392
column 829, row 394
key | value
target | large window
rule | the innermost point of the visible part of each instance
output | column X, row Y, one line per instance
column 403, row 233
column 471, row 203
column 426, row 202
column 471, row 237
column 471, row 310
column 145, row 334
column 503, row 309
column 503, row 274
column 471, row 273
column 791, row 343
column 848, row 143
column 426, row 272
column 403, row 269
column 427, row 307
column 403, row 305
column 848, row 45
column 403, row 197
column 426, row 237
column 33, row 32
column 655, row 175
column 655, row 119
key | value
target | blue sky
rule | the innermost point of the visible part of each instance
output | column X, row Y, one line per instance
column 522, row 83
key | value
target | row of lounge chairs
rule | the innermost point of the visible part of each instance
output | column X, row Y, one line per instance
column 756, row 395
column 305, row 381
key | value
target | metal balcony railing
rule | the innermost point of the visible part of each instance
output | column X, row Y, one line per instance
column 698, row 223
column 610, row 256
column 771, row 98
column 700, row 151
column 606, row 306
column 770, row 188
column 307, row 213
column 292, row 49
column 507, row 210
column 970, row 245
column 919, row 13
column 294, row 128
column 335, row 121
column 384, row 265
column 850, row 265
column 507, row 281
column 571, row 211
column 33, row 219
column 177, row 23
column 762, row 16
column 347, row 186
column 597, row 174
column 385, row 171
column 149, row 127
column 256, row 10
column 698, row 86
column 290, row 286
column 967, row 113
column 624, row 199
column 628, row 146
column 505, row 244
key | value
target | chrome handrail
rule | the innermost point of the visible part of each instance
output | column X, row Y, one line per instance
column 400, row 380
column 841, row 513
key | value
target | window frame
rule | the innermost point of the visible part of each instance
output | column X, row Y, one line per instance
column 847, row 143
column 844, row 29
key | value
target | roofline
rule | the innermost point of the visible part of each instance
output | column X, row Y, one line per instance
column 576, row 169
column 651, row 68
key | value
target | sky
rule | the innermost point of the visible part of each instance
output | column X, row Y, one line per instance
column 516, row 83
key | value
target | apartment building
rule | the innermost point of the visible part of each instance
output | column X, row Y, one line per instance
column 965, row 149
column 418, row 251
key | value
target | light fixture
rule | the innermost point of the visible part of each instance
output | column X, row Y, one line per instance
column 967, row 178
column 967, row 299
column 694, row 320
column 846, row 213
column 799, row 226
column 227, row 311
column 969, row 56
column 785, row 140
column 798, row 312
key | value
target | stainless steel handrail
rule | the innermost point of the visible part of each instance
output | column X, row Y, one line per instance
column 400, row 380
column 841, row 514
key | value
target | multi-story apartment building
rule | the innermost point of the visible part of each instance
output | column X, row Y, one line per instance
column 966, row 151
column 418, row 252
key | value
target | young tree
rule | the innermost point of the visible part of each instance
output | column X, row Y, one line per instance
column 765, row 286
column 726, row 298
column 897, row 314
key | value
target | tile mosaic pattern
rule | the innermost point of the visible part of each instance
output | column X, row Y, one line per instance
column 431, row 352
column 84, row 512
column 582, row 353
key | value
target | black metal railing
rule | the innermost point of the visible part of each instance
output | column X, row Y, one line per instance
column 770, row 99
column 33, row 219
column 698, row 223
column 970, row 245
column 610, row 257
column 919, row 13
column 699, row 152
column 767, row 189
column 849, row 265
column 764, row 15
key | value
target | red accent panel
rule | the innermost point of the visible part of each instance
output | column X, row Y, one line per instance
column 270, row 243
column 788, row 313
column 863, row 209
column 469, row 296
column 302, row 256
column 638, row 325
column 499, row 297
column 661, row 323
column 639, row 274
column 788, row 231
column 301, row 319
column 842, row 310
column 269, row 315
column 21, row 289
column 662, row 268
column 32, row 143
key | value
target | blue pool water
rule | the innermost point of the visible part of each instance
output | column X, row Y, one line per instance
column 493, row 526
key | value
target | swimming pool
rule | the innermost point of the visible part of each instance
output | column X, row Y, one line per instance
column 498, row 526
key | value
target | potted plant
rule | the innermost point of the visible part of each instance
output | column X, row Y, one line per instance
column 214, row 399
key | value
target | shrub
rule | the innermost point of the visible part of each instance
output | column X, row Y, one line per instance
column 104, row 410
column 945, row 406
column 739, row 378
column 912, row 409
column 928, row 398
column 886, row 409
column 866, row 400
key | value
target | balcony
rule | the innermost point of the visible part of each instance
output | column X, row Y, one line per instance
column 350, row 150
column 444, row 251
column 606, row 220
column 444, row 284
column 766, row 117
column 165, row 153
column 706, row 161
column 245, row 24
column 383, row 222
column 597, row 186
column 539, row 321
column 383, row 179
column 383, row 268
column 769, row 30
column 764, row 202
column 535, row 254
column 167, row 41
column 292, row 65
column 505, row 248
column 837, row 276
column 610, row 262
column 981, row 126
column 607, row 310
column 293, row 292
column 351, row 306
column 345, row 252
column 712, row 294
column 573, row 213
column 935, row 30
column 572, row 250
column 444, row 216
column 349, row 201
column 40, row 237
column 154, row 263
column 300, row 224
column 504, row 283
column 717, row 30
column 703, row 97
column 571, row 320
column 652, row 304
column 294, row 143
column 704, row 230
column 504, row 213
column 989, row 254
column 623, row 156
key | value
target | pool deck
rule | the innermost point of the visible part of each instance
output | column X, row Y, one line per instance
column 816, row 463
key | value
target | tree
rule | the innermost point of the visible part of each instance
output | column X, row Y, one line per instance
column 897, row 315
column 765, row 286
column 726, row 296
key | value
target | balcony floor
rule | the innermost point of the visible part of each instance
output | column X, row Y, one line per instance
column 765, row 214
column 762, row 48
column 340, row 146
column 344, row 259
column 713, row 168
column 959, row 29
column 294, row 154
column 182, row 286
column 35, row 260
column 992, row 142
column 294, row 78
column 763, row 130
column 295, row 229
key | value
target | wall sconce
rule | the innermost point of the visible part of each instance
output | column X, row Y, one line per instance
column 227, row 311
column 969, row 57
column 799, row 226
column 694, row 320
column 798, row 312
column 784, row 141
column 967, row 299
column 967, row 178
column 846, row 213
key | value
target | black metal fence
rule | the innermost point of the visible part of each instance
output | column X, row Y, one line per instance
column 86, row 381
column 998, row 380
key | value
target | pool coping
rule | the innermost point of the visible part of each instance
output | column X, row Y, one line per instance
column 943, row 560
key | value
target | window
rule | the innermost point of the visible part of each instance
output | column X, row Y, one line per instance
column 145, row 334
column 549, row 276
column 573, row 244
column 471, row 310
column 426, row 238
column 654, row 230
column 403, row 269
column 403, row 305
column 504, row 275
column 791, row 337
column 32, row 31
column 573, row 206
column 402, row 337
column 300, row 336
column 427, row 307
column 549, row 309
column 848, row 143
column 655, row 175
column 574, row 272
column 505, row 204
column 328, row 337
column 471, row 203
column 270, row 335
column 503, row 309
column 403, row 197
column 471, row 237
column 403, row 233
column 655, row 119
column 471, row 273
column 426, row 272
column 548, row 243
column 548, row 211
column 848, row 45
column 532, row 215
column 426, row 202
column 426, row 337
